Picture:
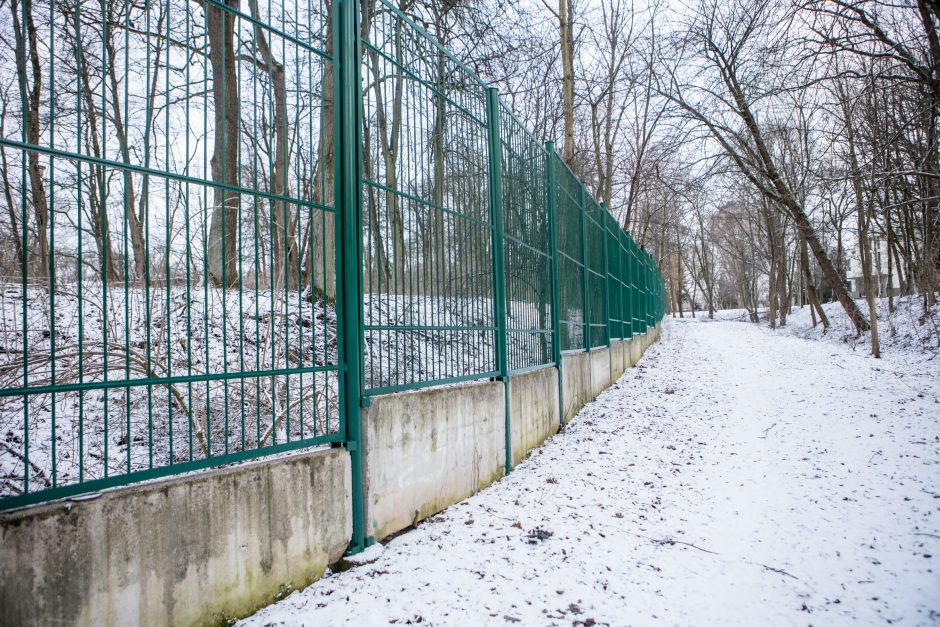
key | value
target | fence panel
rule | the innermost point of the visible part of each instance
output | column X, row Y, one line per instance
column 615, row 316
column 171, row 213
column 570, row 238
column 528, row 247
column 595, row 237
column 625, row 286
column 428, row 288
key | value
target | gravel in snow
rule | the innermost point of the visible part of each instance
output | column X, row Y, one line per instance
column 734, row 477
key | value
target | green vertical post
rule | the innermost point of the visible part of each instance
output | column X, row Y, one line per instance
column 585, row 314
column 494, row 148
column 553, row 249
column 645, row 294
column 649, row 289
column 635, row 291
column 653, row 273
column 347, row 129
column 604, row 220
column 627, row 287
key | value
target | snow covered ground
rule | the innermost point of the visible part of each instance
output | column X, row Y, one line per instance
column 736, row 476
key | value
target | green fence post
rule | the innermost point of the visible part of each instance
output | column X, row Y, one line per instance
column 647, row 282
column 652, row 308
column 637, row 301
column 585, row 315
column 346, row 69
column 649, row 289
column 553, row 248
column 494, row 149
column 604, row 221
column 624, row 286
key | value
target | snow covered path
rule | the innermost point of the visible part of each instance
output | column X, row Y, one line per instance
column 734, row 477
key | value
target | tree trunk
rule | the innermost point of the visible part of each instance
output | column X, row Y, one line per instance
column 861, row 212
column 30, row 94
column 286, row 271
column 811, row 286
column 565, row 18
column 788, row 201
column 222, row 247
column 889, row 246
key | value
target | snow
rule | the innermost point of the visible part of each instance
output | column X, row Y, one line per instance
column 154, row 334
column 905, row 333
column 737, row 475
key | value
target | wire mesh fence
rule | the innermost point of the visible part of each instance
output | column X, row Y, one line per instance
column 528, row 246
column 570, row 245
column 160, row 163
column 427, row 236
column 175, row 290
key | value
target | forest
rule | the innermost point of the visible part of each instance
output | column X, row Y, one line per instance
column 771, row 154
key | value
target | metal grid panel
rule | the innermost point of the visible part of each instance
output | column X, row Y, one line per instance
column 180, row 310
column 633, row 261
column 528, row 249
column 428, row 310
column 156, row 312
column 595, row 238
column 614, row 317
column 625, row 285
column 569, row 228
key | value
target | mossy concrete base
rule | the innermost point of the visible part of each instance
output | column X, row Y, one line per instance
column 575, row 382
column 600, row 370
column 533, row 410
column 427, row 449
column 193, row 550
column 616, row 359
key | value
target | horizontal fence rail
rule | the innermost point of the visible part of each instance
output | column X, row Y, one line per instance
column 228, row 224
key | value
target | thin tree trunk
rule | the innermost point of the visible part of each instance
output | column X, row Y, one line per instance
column 8, row 189
column 222, row 253
column 30, row 95
column 565, row 18
column 862, row 212
column 285, row 272
column 811, row 287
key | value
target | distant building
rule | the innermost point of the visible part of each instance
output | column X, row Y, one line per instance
column 855, row 281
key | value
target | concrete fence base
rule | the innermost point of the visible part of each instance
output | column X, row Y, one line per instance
column 209, row 547
column 198, row 549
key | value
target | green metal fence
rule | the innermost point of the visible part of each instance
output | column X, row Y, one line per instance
column 228, row 225
column 157, row 309
column 428, row 229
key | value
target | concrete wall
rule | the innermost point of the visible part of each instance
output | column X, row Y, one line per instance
column 533, row 410
column 576, row 383
column 600, row 370
column 637, row 347
column 427, row 449
column 627, row 354
column 198, row 549
column 616, row 359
